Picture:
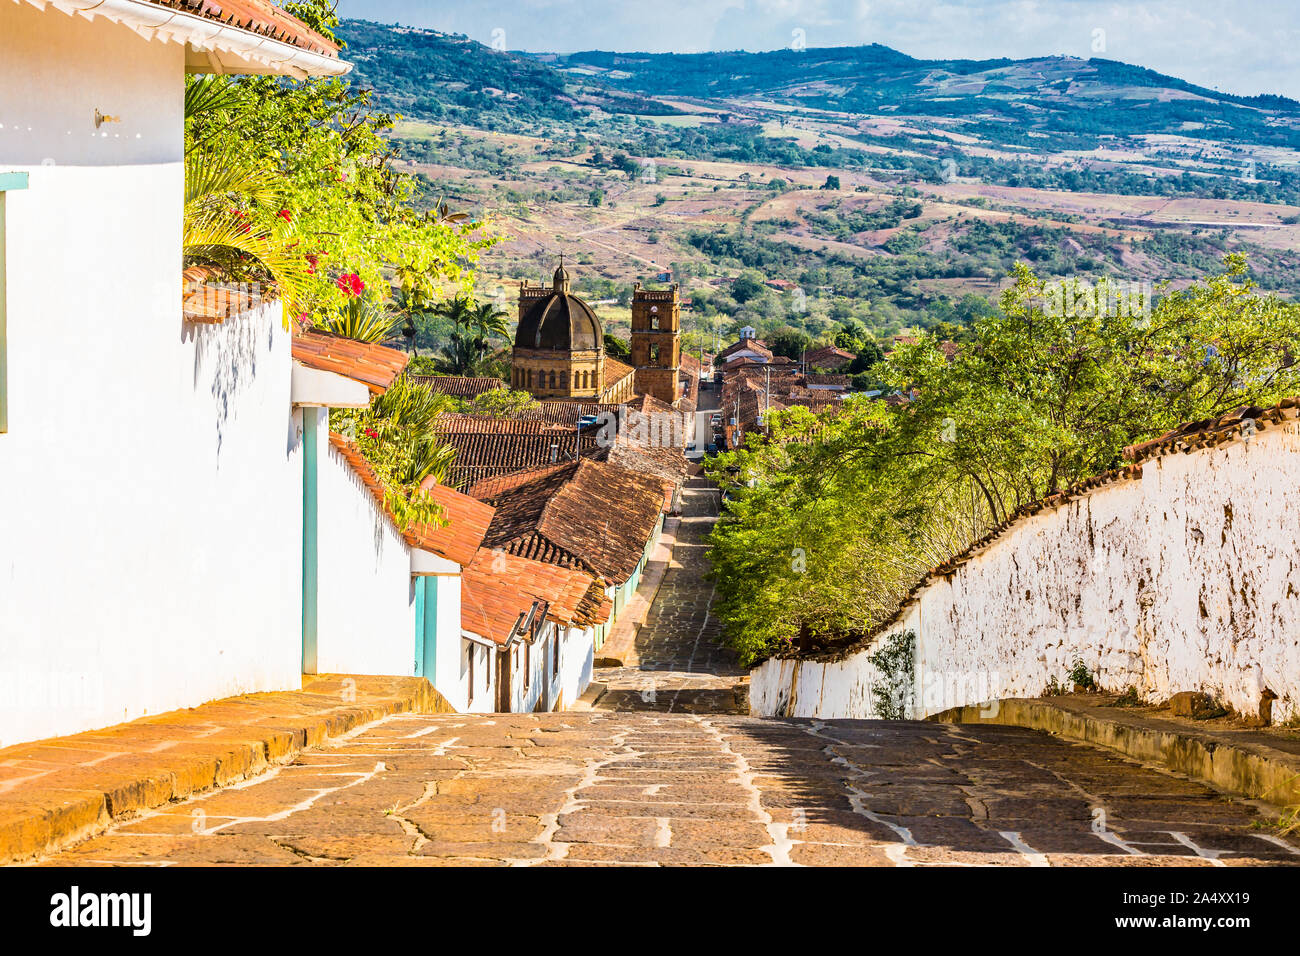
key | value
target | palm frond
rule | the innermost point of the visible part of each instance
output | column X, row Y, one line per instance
column 365, row 319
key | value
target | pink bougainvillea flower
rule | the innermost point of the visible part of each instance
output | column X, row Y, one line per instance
column 350, row 283
column 285, row 215
column 370, row 432
column 313, row 261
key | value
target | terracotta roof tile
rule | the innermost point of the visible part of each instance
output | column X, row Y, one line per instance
column 376, row 366
column 615, row 372
column 589, row 514
column 458, row 385
column 492, row 607
column 467, row 522
column 828, row 357
column 573, row 597
column 207, row 300
column 256, row 16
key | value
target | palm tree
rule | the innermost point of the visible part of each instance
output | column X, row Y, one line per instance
column 474, row 325
column 408, row 412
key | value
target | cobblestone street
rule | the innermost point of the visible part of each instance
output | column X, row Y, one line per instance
column 665, row 771
column 683, row 668
column 639, row 788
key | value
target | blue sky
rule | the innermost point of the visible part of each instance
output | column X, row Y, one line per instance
column 1239, row 46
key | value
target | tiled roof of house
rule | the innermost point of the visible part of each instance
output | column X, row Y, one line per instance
column 454, row 423
column 751, row 345
column 828, row 357
column 376, row 366
column 488, row 488
column 666, row 464
column 207, row 300
column 491, row 606
column 588, row 514
column 615, row 371
column 573, row 597
column 459, row 386
column 836, row 381
column 256, row 16
column 467, row 522
column 481, row 455
column 568, row 413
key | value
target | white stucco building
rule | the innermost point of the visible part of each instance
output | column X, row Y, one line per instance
column 150, row 468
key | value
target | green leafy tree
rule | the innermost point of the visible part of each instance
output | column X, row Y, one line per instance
column 832, row 520
column 501, row 402
column 398, row 436
column 327, row 154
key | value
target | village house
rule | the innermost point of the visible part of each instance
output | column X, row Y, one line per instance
column 593, row 516
column 532, row 627
column 170, row 461
column 753, row 387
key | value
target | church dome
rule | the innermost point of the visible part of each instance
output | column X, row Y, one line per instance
column 559, row 320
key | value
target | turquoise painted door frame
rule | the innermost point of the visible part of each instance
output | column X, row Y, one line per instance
column 310, row 508
column 8, row 182
column 426, row 626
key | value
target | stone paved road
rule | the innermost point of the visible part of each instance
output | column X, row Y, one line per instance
column 644, row 788
column 683, row 668
column 665, row 771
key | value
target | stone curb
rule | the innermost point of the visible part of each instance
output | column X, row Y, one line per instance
column 1249, row 769
column 166, row 760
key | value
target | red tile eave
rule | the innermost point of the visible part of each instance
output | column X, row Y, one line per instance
column 259, row 17
column 467, row 522
column 375, row 366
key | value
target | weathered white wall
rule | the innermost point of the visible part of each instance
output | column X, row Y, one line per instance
column 477, row 686
column 1185, row 579
column 150, row 481
column 366, row 596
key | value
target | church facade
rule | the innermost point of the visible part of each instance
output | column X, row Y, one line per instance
column 559, row 348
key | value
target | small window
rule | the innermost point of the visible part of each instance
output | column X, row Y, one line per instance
column 555, row 655
column 654, row 354
column 654, row 323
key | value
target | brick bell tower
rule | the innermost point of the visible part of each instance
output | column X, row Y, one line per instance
column 657, row 342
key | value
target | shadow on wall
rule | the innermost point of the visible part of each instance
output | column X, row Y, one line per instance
column 381, row 524
column 226, row 358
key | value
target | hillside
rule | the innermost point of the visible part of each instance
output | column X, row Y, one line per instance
column 1006, row 100
column 855, row 188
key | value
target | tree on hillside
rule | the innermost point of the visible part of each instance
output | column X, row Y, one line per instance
column 836, row 516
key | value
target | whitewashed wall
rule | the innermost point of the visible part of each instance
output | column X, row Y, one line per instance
column 1185, row 579
column 577, row 655
column 366, row 596
column 483, row 699
column 150, row 481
